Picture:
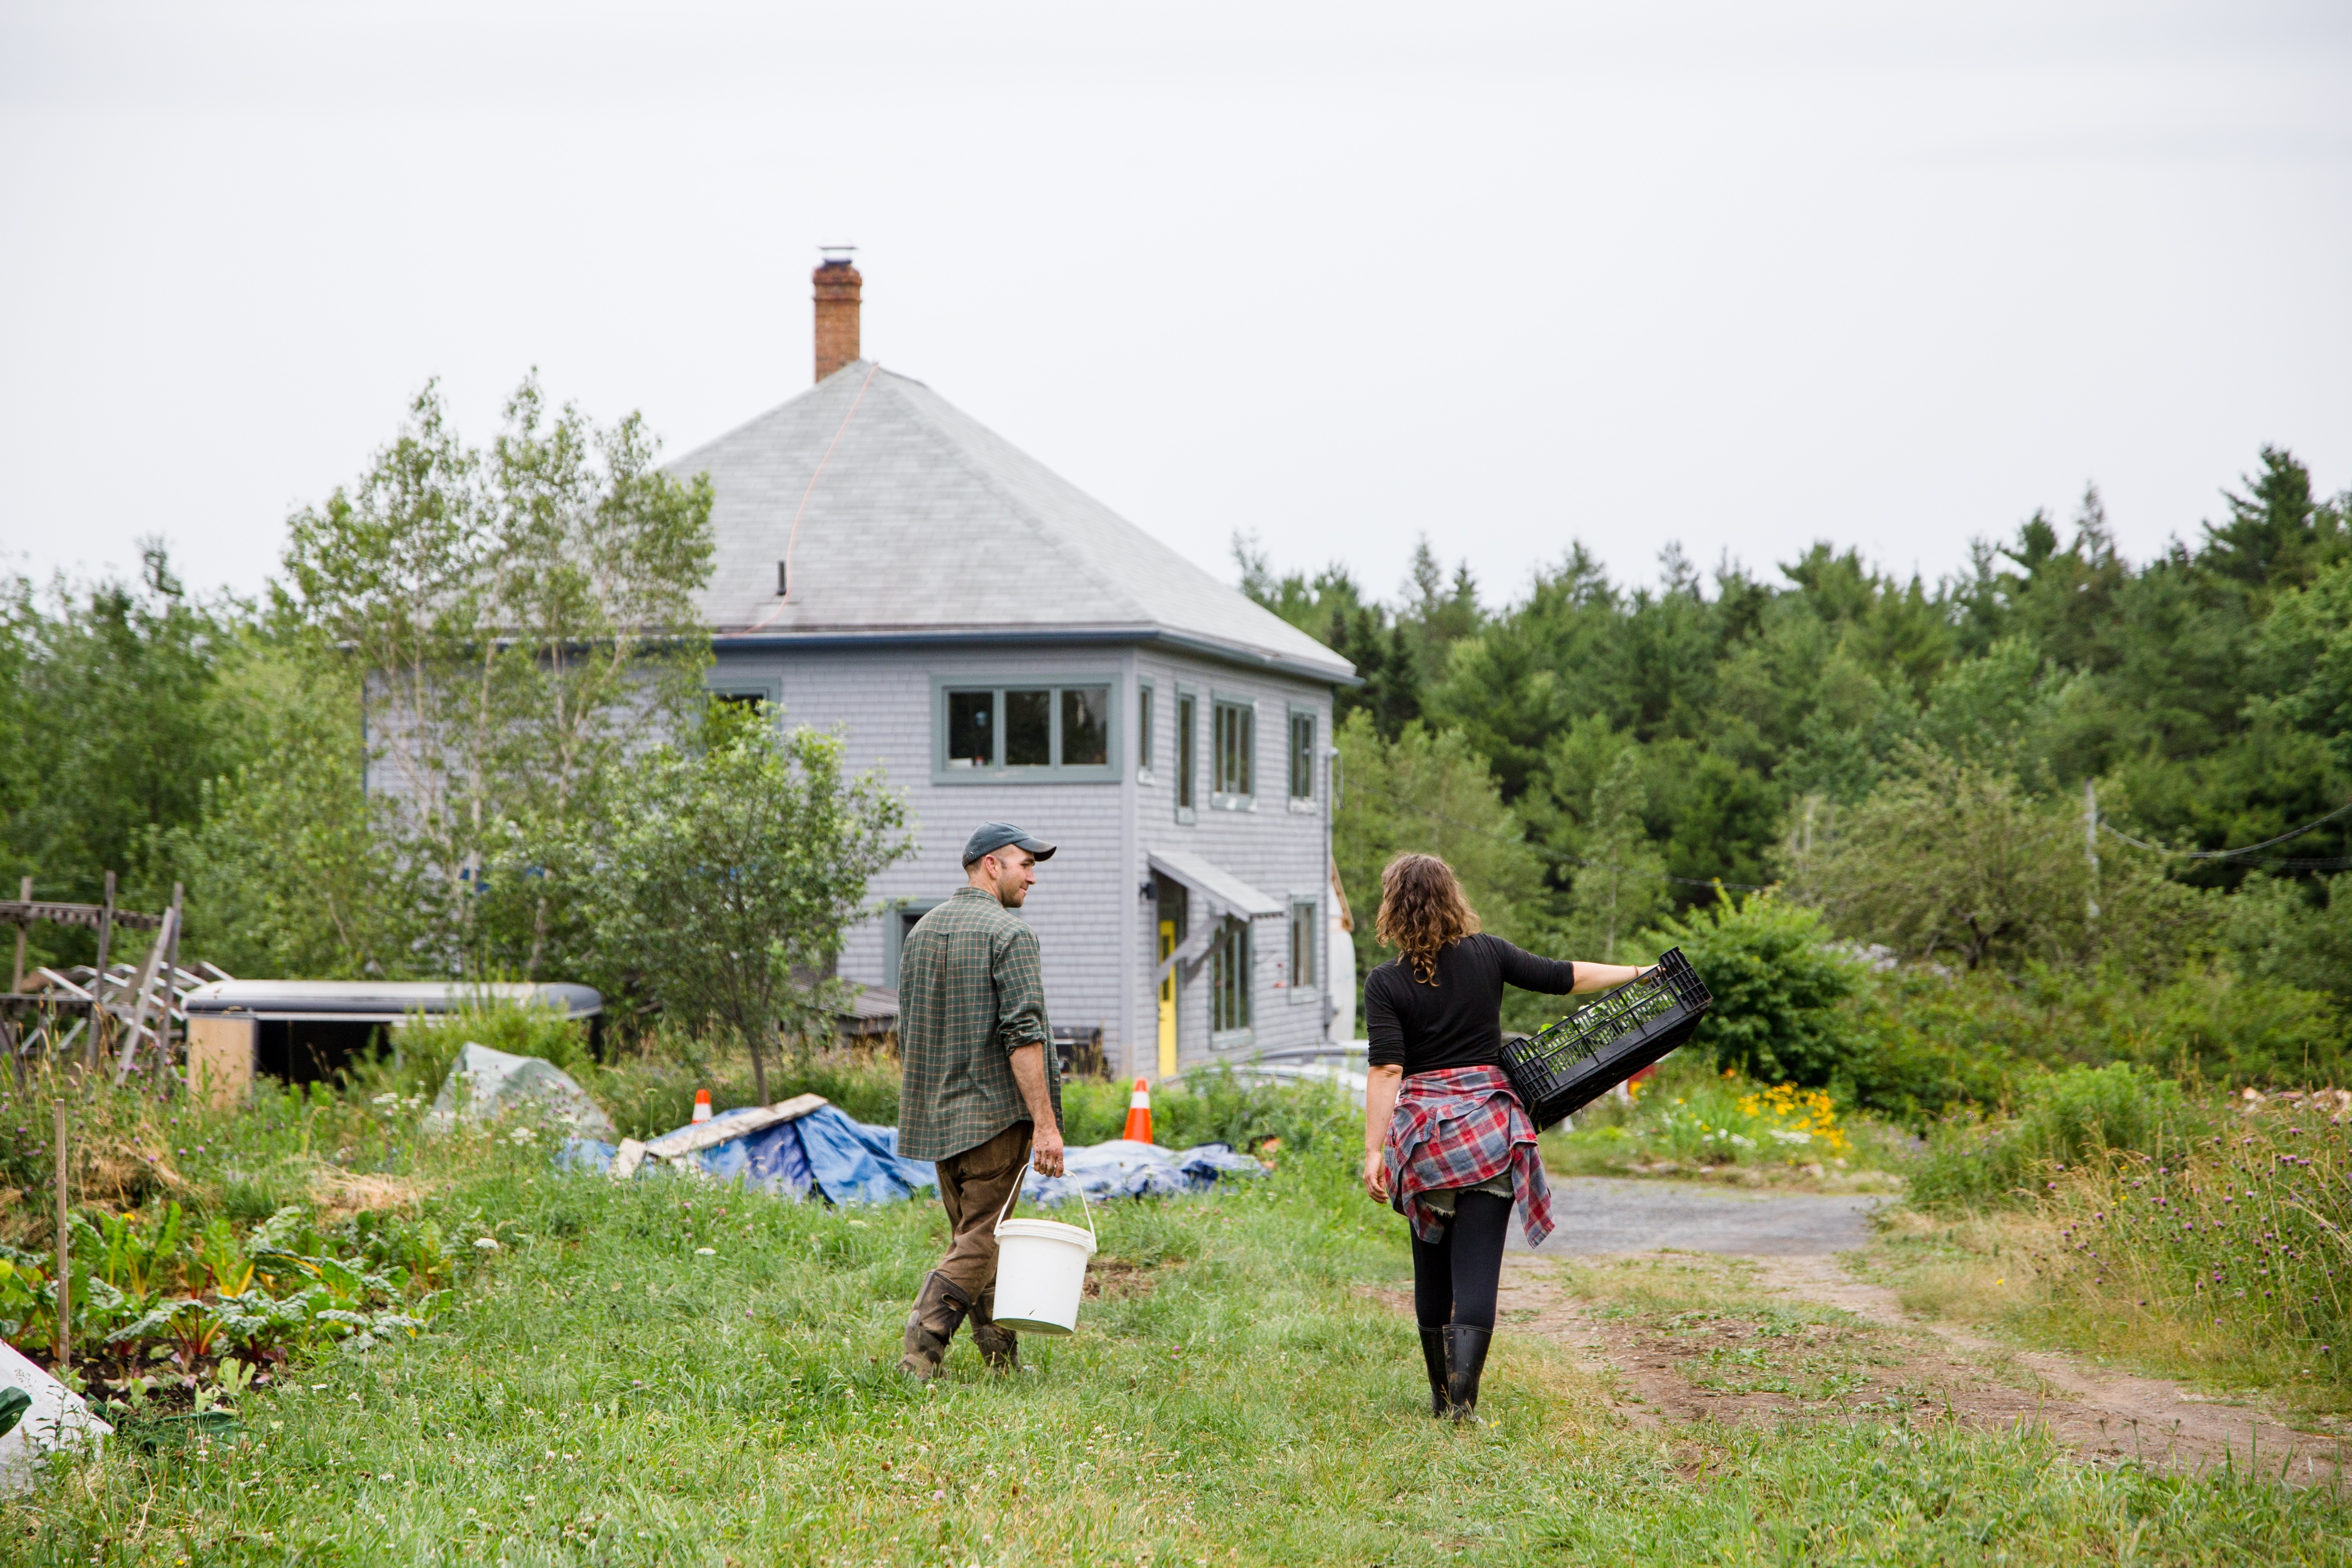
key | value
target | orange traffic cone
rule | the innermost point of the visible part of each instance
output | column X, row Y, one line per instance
column 1138, row 1113
column 702, row 1105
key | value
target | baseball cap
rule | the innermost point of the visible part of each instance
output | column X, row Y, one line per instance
column 989, row 837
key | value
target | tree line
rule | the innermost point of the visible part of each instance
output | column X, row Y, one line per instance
column 1920, row 765
column 2025, row 773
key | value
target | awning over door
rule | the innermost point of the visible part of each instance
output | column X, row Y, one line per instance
column 1219, row 896
column 1225, row 892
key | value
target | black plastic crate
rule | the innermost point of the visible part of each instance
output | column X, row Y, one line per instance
column 1587, row 1054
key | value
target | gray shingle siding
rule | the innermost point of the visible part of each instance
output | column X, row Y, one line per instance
column 1095, row 930
column 1276, row 850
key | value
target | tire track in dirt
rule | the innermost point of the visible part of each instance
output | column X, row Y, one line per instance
column 2091, row 1408
column 1796, row 1339
column 1773, row 1329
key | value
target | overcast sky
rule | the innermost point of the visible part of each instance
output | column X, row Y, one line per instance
column 1736, row 275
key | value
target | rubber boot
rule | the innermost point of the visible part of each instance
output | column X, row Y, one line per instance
column 1465, row 1358
column 1000, row 1348
column 933, row 1323
column 1432, row 1356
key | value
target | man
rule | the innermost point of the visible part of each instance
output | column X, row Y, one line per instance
column 981, row 1086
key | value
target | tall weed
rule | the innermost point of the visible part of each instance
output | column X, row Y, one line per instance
column 2061, row 1118
column 424, row 1048
column 2242, row 1235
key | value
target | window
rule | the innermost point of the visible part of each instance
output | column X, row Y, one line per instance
column 1086, row 726
column 1061, row 732
column 1302, row 754
column 1029, row 728
column 1302, row 925
column 1236, row 741
column 741, row 692
column 1229, row 984
column 1143, row 716
column 971, row 738
column 897, row 923
column 1188, row 729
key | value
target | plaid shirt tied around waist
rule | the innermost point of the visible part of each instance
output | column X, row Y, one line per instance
column 1456, row 1128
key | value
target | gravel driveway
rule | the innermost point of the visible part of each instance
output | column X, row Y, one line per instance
column 1603, row 1214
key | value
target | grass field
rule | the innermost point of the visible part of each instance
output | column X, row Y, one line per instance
column 668, row 1373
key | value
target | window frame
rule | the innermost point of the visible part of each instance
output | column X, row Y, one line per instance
column 1188, row 754
column 1245, row 708
column 1147, row 717
column 1226, row 1033
column 1313, row 718
column 1310, row 987
column 1108, row 771
column 893, row 934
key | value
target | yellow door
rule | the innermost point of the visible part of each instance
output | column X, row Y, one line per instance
column 1167, row 1003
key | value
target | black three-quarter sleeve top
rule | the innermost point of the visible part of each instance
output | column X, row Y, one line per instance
column 1458, row 1022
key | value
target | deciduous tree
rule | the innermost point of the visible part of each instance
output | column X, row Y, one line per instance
column 726, row 872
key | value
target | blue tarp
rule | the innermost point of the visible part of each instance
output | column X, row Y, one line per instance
column 847, row 1162
column 1125, row 1169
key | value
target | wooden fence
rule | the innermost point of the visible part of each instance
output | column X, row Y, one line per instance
column 133, row 1018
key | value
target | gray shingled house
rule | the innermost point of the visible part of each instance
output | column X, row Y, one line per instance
column 1007, row 647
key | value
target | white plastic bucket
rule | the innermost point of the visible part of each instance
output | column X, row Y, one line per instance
column 1041, row 1270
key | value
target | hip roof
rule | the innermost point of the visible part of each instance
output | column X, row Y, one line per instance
column 902, row 518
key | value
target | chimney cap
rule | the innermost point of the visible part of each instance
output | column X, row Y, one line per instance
column 836, row 254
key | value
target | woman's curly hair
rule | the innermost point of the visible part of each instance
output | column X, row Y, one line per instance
column 1422, row 911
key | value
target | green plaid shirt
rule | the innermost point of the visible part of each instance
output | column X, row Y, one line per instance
column 969, row 994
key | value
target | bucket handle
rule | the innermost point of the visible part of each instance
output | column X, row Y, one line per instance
column 1014, row 1196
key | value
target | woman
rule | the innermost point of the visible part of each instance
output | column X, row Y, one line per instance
column 1454, row 1149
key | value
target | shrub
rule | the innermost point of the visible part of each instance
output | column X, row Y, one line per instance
column 2061, row 1119
column 1777, row 982
column 1925, row 1040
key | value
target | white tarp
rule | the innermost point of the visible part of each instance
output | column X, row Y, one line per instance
column 58, row 1419
column 485, row 1083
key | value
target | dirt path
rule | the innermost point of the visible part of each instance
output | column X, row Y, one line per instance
column 1739, row 1312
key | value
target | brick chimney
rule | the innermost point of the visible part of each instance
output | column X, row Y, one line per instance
column 837, row 289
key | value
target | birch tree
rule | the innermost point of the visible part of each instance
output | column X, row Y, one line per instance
column 521, row 620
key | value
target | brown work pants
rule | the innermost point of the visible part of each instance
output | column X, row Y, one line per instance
column 974, row 1187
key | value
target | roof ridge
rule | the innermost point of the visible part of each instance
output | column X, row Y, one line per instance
column 965, row 459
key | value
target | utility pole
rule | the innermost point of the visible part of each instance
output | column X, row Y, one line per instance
column 2091, row 854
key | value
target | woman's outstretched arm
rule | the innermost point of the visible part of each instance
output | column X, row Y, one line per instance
column 1380, row 1104
column 1601, row 976
column 1558, row 977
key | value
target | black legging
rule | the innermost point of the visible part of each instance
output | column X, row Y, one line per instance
column 1454, row 1277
